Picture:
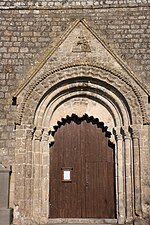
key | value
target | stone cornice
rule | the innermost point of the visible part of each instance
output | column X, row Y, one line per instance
column 54, row 5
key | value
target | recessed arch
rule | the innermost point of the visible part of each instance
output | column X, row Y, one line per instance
column 80, row 90
column 82, row 97
column 98, row 92
column 97, row 84
column 78, row 120
column 112, row 80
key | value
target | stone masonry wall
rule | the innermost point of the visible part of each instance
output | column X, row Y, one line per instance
column 26, row 33
column 27, row 28
column 103, row 3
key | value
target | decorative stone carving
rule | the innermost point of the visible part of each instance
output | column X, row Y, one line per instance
column 94, row 75
column 125, row 132
column 82, row 44
column 123, row 74
column 51, row 139
column 29, row 134
column 97, row 70
column 45, row 136
column 38, row 134
column 134, row 132
column 117, row 133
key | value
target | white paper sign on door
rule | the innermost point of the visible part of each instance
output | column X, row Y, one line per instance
column 67, row 175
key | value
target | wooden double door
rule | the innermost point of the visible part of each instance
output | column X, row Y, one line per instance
column 81, row 173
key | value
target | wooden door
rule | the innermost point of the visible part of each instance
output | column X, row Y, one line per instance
column 65, row 196
column 99, row 164
column 81, row 148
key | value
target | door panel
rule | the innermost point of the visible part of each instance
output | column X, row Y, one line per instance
column 65, row 197
column 93, row 198
column 90, row 193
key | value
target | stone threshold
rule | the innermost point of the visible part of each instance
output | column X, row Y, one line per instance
column 81, row 221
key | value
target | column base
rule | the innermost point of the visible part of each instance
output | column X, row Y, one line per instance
column 141, row 221
column 6, row 216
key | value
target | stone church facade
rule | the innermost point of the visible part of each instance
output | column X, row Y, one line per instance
column 66, row 59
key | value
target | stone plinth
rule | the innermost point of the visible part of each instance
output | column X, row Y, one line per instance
column 5, row 212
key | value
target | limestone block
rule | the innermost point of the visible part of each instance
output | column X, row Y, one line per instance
column 5, row 213
column 4, row 186
column 5, row 216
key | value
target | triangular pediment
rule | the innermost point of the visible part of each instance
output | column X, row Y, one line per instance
column 78, row 44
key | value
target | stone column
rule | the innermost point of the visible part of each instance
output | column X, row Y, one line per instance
column 45, row 174
column 20, row 154
column 5, row 212
column 136, row 171
column 37, row 173
column 128, row 175
column 120, row 172
column 28, row 172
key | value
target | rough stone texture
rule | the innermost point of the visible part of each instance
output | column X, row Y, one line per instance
column 5, row 212
column 28, row 29
column 71, row 3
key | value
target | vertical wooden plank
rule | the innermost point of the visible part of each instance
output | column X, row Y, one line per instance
column 66, row 197
column 83, row 157
column 100, row 196
column 83, row 147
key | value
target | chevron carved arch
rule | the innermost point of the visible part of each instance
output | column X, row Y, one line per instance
column 94, row 70
column 75, row 118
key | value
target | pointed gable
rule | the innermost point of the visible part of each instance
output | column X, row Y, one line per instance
column 79, row 44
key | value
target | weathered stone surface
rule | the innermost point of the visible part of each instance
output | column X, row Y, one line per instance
column 5, row 216
column 43, row 57
column 5, row 213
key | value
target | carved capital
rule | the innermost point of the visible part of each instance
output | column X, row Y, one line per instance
column 29, row 134
column 117, row 133
column 38, row 134
column 45, row 136
column 125, row 132
column 51, row 139
column 134, row 132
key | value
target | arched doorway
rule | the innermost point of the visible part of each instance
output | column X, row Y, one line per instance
column 92, row 95
column 82, row 174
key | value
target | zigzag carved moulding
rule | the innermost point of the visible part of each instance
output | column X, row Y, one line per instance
column 75, row 117
column 92, row 70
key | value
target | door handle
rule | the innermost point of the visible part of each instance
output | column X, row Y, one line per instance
column 87, row 184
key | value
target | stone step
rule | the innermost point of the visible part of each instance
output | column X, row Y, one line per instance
column 81, row 222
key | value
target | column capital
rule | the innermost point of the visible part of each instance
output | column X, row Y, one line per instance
column 134, row 132
column 38, row 134
column 125, row 132
column 30, row 134
column 117, row 133
column 51, row 139
column 45, row 136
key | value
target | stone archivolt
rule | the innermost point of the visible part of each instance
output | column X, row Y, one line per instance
column 107, row 67
column 80, row 88
column 119, row 81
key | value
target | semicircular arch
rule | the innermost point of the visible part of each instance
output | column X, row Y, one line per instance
column 101, row 100
column 88, row 75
